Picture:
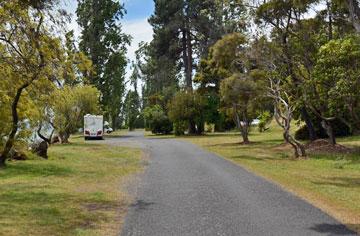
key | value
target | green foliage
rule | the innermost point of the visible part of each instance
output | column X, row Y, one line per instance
column 188, row 107
column 240, row 96
column 103, row 41
column 156, row 120
column 70, row 105
column 265, row 119
column 223, row 60
column 31, row 60
column 340, row 130
column 336, row 83
column 132, row 109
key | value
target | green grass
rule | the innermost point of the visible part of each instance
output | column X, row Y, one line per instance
column 76, row 192
column 329, row 181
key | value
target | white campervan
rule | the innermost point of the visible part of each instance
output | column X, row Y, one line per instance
column 93, row 127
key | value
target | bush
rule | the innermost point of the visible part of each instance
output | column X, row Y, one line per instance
column 188, row 107
column 156, row 120
column 180, row 127
column 209, row 128
column 340, row 130
column 265, row 119
column 70, row 105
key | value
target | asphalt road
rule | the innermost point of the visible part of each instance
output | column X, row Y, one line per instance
column 188, row 191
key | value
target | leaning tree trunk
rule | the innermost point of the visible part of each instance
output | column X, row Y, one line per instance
column 299, row 149
column 15, row 125
column 48, row 140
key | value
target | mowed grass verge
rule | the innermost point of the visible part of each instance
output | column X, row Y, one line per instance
column 76, row 192
column 328, row 181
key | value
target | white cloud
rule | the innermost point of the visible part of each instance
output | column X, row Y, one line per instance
column 140, row 30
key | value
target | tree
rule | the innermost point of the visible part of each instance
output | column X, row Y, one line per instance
column 185, row 29
column 285, row 19
column 188, row 107
column 31, row 57
column 224, row 59
column 156, row 120
column 284, row 112
column 333, row 90
column 70, row 105
column 103, row 41
column 132, row 109
column 239, row 96
column 113, row 90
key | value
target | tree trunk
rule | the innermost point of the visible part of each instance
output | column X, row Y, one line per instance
column 185, row 55
column 244, row 129
column 309, row 124
column 329, row 131
column 354, row 11
column 200, row 128
column 48, row 140
column 2, row 161
column 15, row 120
column 330, row 25
column 288, row 140
column 245, row 136
column 113, row 122
column 192, row 127
column 64, row 138
column 189, row 84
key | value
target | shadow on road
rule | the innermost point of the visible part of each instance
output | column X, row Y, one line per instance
column 333, row 229
column 141, row 205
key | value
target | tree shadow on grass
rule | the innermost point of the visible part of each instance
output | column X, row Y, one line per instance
column 252, row 158
column 351, row 158
column 333, row 229
column 34, row 170
column 345, row 182
column 27, row 195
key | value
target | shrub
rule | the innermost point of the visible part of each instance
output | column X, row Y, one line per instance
column 156, row 120
column 340, row 130
column 265, row 119
column 180, row 127
column 188, row 107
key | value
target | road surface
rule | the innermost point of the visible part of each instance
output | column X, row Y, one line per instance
column 188, row 191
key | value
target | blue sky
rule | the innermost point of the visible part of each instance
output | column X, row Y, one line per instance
column 138, row 9
column 134, row 23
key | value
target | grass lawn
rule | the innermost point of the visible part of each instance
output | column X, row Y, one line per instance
column 329, row 181
column 76, row 192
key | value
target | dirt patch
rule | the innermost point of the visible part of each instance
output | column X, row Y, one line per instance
column 323, row 146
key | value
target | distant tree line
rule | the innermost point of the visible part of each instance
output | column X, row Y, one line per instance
column 227, row 63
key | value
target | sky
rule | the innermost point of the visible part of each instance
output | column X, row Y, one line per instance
column 134, row 23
